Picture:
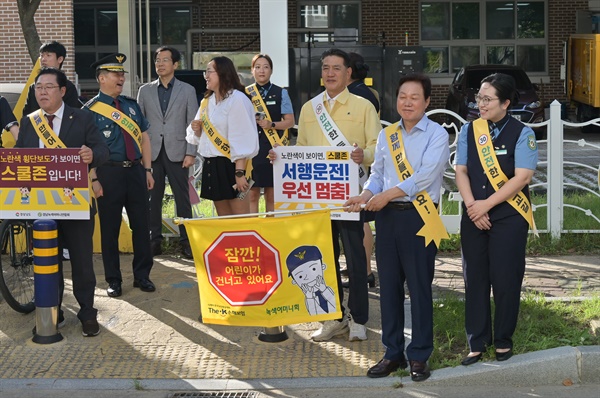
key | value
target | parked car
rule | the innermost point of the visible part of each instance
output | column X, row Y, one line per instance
column 466, row 83
column 11, row 91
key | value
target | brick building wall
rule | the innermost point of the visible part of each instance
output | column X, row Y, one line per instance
column 227, row 15
column 54, row 21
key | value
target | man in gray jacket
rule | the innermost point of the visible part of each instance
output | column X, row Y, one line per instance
column 169, row 105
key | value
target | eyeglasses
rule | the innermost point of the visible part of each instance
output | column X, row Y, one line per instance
column 484, row 100
column 45, row 88
column 162, row 61
column 208, row 72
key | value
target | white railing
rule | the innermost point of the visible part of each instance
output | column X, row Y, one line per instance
column 554, row 165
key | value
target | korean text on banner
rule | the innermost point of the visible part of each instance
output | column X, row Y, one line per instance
column 313, row 177
column 269, row 272
column 41, row 183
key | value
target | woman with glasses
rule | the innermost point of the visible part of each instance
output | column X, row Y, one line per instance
column 495, row 161
column 274, row 115
column 224, row 129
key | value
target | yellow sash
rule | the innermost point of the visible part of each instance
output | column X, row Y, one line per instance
column 43, row 130
column 259, row 106
column 491, row 167
column 124, row 121
column 215, row 138
column 433, row 228
column 49, row 137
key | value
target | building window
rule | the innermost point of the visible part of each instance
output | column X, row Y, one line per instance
column 467, row 32
column 96, row 31
column 331, row 15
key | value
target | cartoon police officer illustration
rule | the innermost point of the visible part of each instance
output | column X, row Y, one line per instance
column 306, row 268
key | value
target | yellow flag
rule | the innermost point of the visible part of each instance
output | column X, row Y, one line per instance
column 269, row 272
column 7, row 138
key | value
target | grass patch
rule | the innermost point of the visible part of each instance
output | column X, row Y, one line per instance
column 542, row 325
column 569, row 243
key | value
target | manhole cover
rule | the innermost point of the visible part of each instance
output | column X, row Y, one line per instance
column 213, row 394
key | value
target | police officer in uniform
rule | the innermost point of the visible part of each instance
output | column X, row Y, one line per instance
column 125, row 179
column 496, row 157
column 281, row 117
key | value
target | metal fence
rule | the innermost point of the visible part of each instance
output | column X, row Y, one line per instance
column 561, row 168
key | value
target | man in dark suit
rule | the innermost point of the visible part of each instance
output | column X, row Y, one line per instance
column 52, row 55
column 170, row 106
column 75, row 128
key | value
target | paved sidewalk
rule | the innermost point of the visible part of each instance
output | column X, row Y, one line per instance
column 158, row 336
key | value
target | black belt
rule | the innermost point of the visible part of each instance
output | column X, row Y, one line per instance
column 404, row 205
column 401, row 205
column 124, row 163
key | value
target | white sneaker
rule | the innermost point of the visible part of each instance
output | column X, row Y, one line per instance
column 330, row 329
column 358, row 332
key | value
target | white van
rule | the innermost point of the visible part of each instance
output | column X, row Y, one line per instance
column 11, row 91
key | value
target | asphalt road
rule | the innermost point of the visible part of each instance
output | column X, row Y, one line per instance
column 412, row 390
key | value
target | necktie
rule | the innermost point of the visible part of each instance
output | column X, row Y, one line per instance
column 129, row 144
column 322, row 301
column 263, row 91
column 331, row 104
column 50, row 119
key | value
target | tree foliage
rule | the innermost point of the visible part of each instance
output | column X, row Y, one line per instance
column 27, row 10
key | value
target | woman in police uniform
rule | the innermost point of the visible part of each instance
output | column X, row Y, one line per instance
column 496, row 158
column 280, row 117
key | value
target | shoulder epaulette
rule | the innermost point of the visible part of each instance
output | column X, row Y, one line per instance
column 128, row 97
column 91, row 102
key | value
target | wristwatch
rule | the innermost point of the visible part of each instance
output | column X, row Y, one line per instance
column 272, row 124
column 150, row 170
column 239, row 173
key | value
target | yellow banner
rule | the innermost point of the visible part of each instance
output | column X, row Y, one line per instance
column 7, row 137
column 270, row 271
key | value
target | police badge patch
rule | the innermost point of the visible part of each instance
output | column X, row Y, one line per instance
column 531, row 142
column 106, row 133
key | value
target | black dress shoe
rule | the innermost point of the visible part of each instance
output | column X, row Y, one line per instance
column 145, row 285
column 503, row 356
column 370, row 281
column 156, row 247
column 471, row 360
column 385, row 367
column 419, row 371
column 114, row 289
column 186, row 251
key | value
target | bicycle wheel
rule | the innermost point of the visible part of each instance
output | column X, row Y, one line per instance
column 16, row 263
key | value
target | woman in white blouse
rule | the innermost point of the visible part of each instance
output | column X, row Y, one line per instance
column 225, row 131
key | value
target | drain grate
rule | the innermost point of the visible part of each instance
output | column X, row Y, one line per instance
column 213, row 394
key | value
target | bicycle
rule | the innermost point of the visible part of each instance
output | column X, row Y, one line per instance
column 16, row 264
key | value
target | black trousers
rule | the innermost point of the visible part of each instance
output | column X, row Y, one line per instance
column 178, row 180
column 494, row 258
column 352, row 234
column 402, row 256
column 124, row 187
column 77, row 236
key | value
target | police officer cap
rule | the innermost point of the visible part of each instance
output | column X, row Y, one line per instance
column 302, row 255
column 112, row 63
